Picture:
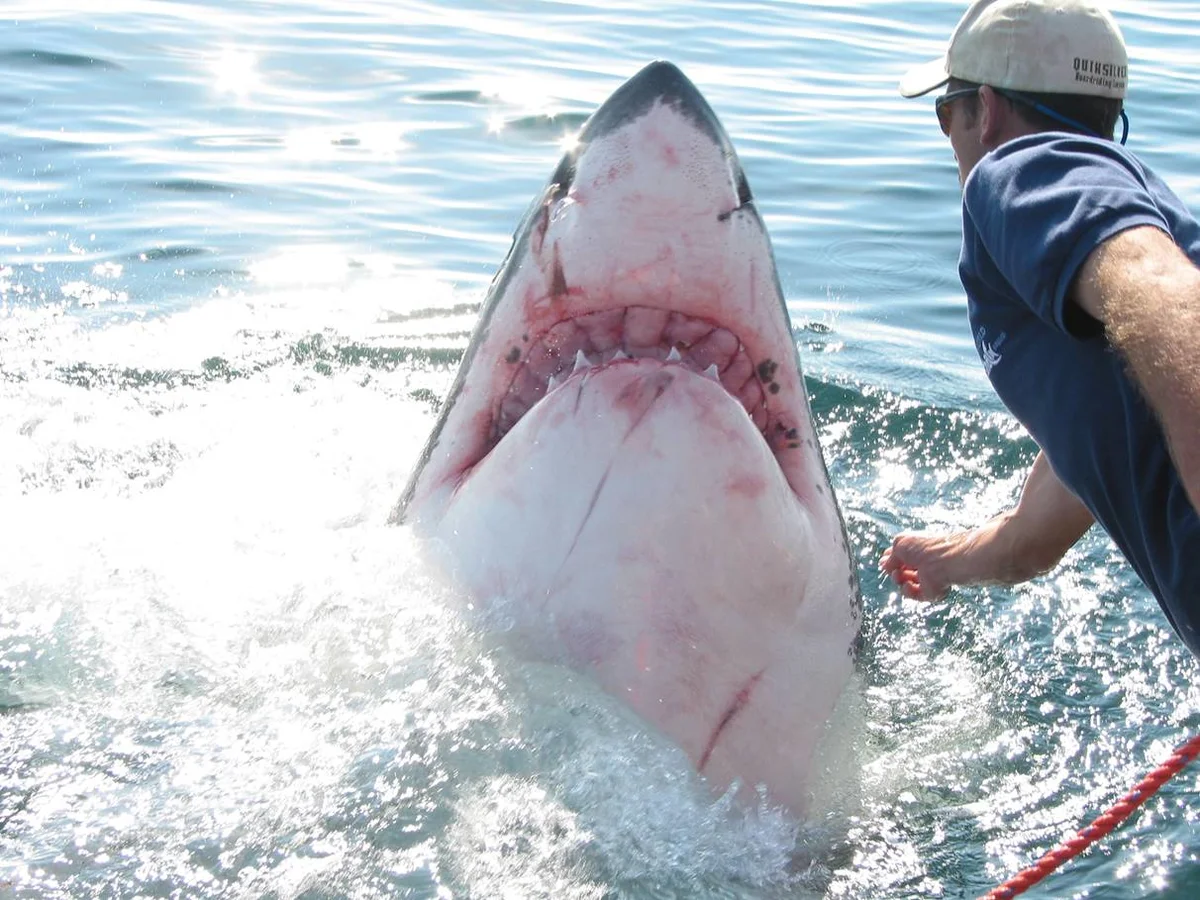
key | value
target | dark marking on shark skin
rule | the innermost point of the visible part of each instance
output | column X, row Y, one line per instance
column 766, row 370
column 787, row 437
column 728, row 214
column 579, row 393
column 739, row 703
column 537, row 233
column 558, row 284
column 514, row 356
column 586, row 516
column 659, row 384
column 631, row 395
column 745, row 198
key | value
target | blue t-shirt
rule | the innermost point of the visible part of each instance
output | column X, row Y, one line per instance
column 1033, row 210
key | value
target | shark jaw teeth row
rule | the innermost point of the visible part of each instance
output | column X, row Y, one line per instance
column 612, row 336
column 582, row 363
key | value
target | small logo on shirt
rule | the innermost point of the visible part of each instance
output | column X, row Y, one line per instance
column 989, row 352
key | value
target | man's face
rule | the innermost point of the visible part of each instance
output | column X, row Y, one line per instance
column 958, row 115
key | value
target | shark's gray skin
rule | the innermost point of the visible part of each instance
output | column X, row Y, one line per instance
column 626, row 463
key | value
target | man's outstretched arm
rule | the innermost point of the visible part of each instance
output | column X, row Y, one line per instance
column 1012, row 547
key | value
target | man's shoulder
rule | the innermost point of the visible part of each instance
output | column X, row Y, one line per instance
column 1060, row 150
column 1056, row 162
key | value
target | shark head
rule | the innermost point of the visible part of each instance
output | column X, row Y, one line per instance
column 627, row 457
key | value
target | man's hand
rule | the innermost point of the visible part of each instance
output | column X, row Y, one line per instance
column 925, row 567
column 1015, row 546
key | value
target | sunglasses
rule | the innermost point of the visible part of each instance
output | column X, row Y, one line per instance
column 942, row 107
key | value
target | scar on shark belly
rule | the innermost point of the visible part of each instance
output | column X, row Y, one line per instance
column 740, row 700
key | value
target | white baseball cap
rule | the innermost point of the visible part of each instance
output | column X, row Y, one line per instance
column 1036, row 46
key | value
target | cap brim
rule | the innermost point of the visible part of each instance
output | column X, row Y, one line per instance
column 924, row 78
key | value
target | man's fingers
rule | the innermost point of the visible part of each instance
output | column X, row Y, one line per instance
column 908, row 580
column 893, row 558
column 904, row 562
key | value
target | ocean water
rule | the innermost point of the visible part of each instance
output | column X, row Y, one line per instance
column 242, row 246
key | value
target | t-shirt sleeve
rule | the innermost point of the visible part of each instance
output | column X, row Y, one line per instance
column 1040, row 208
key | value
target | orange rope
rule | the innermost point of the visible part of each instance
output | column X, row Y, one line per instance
column 1118, row 813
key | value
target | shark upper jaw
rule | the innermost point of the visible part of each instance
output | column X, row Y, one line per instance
column 645, row 244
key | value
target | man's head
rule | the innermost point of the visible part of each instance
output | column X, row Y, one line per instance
column 1034, row 65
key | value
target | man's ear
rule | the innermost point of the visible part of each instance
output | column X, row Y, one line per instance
column 993, row 112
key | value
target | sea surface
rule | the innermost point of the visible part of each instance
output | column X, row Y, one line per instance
column 242, row 247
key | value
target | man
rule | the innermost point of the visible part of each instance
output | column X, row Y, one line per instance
column 1080, row 267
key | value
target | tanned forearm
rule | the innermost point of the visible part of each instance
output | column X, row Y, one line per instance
column 1048, row 519
column 1147, row 294
column 1016, row 545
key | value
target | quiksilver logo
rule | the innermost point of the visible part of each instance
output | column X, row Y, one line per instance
column 1103, row 69
column 1101, row 74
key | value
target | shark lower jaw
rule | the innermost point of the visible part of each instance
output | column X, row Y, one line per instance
column 635, row 525
column 629, row 335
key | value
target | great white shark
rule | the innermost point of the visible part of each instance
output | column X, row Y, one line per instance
column 626, row 462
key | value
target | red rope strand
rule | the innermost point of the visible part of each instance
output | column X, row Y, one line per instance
column 1118, row 813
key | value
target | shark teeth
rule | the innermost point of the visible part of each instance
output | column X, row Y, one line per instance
column 583, row 362
column 599, row 339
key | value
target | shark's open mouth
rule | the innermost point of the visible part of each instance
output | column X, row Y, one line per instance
column 642, row 332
